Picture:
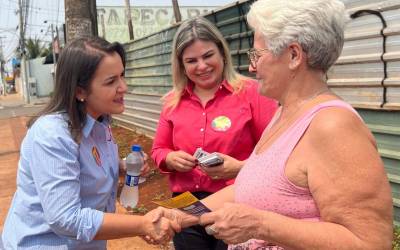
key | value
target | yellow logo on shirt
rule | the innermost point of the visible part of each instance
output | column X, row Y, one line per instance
column 96, row 156
column 221, row 123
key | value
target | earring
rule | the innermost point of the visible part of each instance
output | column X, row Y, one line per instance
column 82, row 100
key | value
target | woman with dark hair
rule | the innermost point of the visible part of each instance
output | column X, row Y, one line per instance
column 68, row 169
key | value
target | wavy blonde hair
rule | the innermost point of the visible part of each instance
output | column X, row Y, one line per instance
column 190, row 31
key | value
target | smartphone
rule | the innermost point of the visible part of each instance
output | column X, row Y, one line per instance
column 200, row 153
column 211, row 160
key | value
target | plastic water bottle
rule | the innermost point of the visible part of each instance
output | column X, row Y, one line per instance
column 134, row 163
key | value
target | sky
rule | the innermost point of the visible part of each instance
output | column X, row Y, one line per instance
column 43, row 13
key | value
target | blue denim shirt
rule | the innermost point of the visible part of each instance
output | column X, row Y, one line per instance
column 63, row 188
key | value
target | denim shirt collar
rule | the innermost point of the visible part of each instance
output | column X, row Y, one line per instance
column 90, row 123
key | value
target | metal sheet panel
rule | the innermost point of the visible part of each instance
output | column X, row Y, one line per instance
column 385, row 126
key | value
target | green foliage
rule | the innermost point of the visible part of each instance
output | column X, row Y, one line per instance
column 141, row 209
column 34, row 48
column 114, row 124
column 159, row 196
column 396, row 238
column 46, row 51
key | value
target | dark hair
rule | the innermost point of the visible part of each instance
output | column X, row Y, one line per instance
column 75, row 68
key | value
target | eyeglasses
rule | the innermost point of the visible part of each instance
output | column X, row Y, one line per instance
column 254, row 55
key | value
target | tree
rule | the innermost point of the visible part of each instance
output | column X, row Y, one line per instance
column 80, row 18
column 34, row 48
column 47, row 51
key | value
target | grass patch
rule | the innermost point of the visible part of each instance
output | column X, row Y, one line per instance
column 141, row 209
column 396, row 238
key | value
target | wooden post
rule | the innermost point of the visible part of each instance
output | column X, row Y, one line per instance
column 80, row 18
column 177, row 12
column 129, row 19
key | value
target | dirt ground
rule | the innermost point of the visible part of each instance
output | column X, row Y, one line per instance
column 13, row 130
column 154, row 188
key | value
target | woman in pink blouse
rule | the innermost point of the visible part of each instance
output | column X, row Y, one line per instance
column 210, row 107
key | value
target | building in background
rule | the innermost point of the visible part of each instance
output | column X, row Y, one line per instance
column 112, row 21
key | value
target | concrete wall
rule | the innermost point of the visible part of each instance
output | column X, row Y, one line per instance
column 40, row 77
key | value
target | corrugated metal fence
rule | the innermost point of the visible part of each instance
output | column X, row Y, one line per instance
column 367, row 74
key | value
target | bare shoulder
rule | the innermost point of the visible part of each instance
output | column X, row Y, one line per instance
column 344, row 147
column 333, row 121
column 347, row 177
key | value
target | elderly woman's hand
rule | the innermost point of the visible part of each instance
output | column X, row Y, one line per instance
column 181, row 218
column 177, row 219
column 233, row 223
column 228, row 170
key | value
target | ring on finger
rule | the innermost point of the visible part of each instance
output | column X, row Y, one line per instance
column 215, row 177
column 211, row 230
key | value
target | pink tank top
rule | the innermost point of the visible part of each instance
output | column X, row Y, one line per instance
column 262, row 182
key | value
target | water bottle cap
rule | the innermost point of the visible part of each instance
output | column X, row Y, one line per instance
column 136, row 148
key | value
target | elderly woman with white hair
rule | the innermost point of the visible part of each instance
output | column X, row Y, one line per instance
column 315, row 179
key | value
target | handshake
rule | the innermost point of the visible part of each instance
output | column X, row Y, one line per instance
column 176, row 213
column 164, row 223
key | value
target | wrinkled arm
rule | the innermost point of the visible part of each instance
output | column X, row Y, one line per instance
column 217, row 200
column 347, row 180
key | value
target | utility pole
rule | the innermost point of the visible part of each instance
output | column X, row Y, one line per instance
column 53, row 48
column 100, row 13
column 129, row 19
column 2, row 79
column 81, row 18
column 177, row 12
column 103, row 26
column 24, row 73
column 58, row 39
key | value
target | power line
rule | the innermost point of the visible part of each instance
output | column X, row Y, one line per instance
column 36, row 25
column 58, row 10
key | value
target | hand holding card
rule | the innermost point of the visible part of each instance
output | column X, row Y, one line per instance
column 206, row 159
